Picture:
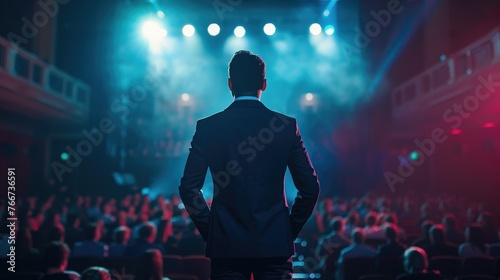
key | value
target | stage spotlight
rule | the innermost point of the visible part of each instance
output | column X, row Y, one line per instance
column 315, row 29
column 152, row 30
column 64, row 156
column 213, row 29
column 160, row 14
column 489, row 125
column 329, row 30
column 309, row 96
column 239, row 31
column 185, row 97
column 414, row 155
column 188, row 30
column 326, row 13
column 269, row 29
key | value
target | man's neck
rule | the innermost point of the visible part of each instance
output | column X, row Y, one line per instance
column 249, row 94
column 255, row 98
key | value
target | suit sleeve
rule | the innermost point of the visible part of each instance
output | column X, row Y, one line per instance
column 305, row 180
column 191, row 184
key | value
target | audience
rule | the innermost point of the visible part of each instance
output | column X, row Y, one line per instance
column 392, row 248
column 424, row 239
column 416, row 265
column 333, row 240
column 95, row 273
column 56, row 233
column 91, row 247
column 149, row 266
column 191, row 242
column 357, row 248
column 24, row 245
column 55, row 258
column 91, row 222
column 494, row 250
column 145, row 241
column 450, row 230
column 490, row 233
column 474, row 245
column 439, row 246
column 352, row 223
column 121, row 237
column 372, row 230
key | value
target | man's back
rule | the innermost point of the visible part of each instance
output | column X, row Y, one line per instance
column 249, row 229
column 247, row 148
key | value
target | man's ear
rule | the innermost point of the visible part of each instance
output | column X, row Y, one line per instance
column 264, row 85
column 230, row 84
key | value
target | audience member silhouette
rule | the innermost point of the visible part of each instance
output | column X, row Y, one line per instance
column 55, row 259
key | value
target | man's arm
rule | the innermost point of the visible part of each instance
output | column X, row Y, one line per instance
column 305, row 180
column 191, row 184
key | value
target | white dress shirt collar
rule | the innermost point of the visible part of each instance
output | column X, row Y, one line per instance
column 246, row 97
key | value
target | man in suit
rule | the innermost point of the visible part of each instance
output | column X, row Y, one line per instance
column 247, row 147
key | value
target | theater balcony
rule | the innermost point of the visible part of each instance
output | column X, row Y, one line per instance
column 445, row 127
column 38, row 90
column 468, row 79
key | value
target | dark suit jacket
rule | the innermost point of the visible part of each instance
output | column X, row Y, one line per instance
column 247, row 148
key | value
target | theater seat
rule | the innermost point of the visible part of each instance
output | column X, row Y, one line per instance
column 391, row 267
column 478, row 266
column 375, row 277
column 172, row 265
column 79, row 264
column 181, row 277
column 449, row 266
column 353, row 268
column 476, row 277
column 120, row 265
column 21, row 276
column 198, row 266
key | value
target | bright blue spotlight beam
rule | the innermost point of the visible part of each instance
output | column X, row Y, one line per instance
column 330, row 5
column 396, row 47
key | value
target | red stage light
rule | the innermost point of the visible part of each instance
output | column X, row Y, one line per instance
column 488, row 125
column 456, row 131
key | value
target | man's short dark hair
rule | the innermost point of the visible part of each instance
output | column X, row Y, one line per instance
column 55, row 254
column 247, row 72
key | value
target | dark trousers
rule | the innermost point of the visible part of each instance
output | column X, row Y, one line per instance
column 261, row 268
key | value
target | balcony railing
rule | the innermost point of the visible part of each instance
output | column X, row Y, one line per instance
column 475, row 57
column 25, row 66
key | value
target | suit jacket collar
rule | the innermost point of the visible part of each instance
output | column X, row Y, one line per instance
column 246, row 104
